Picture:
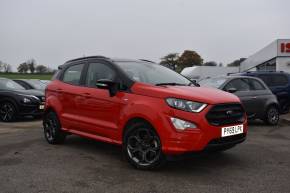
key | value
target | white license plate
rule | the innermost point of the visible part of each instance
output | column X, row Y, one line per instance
column 41, row 107
column 232, row 130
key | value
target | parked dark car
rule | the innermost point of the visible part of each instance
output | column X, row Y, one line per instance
column 31, row 84
column 258, row 100
column 279, row 84
column 15, row 101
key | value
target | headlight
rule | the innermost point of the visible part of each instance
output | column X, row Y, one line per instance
column 185, row 105
column 180, row 124
column 26, row 100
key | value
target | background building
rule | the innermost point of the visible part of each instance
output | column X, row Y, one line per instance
column 274, row 57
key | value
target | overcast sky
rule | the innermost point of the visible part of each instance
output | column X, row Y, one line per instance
column 54, row 31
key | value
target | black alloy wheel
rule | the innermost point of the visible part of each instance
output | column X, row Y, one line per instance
column 7, row 112
column 142, row 147
column 52, row 129
column 272, row 115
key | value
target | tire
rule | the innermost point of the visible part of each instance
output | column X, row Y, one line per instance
column 52, row 129
column 272, row 116
column 7, row 112
column 142, row 146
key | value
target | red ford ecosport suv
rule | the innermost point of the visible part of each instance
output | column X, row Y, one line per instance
column 149, row 109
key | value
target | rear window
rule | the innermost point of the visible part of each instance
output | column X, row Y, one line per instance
column 56, row 75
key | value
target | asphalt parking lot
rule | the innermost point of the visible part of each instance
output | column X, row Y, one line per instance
column 29, row 164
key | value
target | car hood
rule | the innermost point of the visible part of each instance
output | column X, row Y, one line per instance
column 30, row 92
column 198, row 94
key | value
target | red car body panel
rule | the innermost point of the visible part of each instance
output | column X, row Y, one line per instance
column 91, row 112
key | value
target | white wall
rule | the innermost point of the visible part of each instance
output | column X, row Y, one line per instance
column 267, row 53
column 283, row 64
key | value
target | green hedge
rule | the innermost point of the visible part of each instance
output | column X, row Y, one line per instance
column 46, row 76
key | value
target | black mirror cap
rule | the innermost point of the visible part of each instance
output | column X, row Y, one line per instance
column 194, row 82
column 108, row 84
column 231, row 90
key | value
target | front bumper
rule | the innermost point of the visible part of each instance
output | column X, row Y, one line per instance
column 205, row 136
column 30, row 110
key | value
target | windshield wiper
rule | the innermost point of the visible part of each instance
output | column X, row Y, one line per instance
column 170, row 83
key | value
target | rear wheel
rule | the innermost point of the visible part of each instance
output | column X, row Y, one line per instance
column 272, row 116
column 7, row 112
column 52, row 129
column 142, row 146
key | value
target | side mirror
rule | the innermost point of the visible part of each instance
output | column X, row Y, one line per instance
column 232, row 90
column 108, row 84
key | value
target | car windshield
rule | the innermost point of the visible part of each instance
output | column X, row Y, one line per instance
column 6, row 84
column 212, row 82
column 37, row 84
column 152, row 73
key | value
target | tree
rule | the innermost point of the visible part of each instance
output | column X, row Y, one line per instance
column 170, row 60
column 7, row 68
column 4, row 67
column 236, row 63
column 31, row 65
column 189, row 58
column 23, row 68
column 210, row 63
column 41, row 69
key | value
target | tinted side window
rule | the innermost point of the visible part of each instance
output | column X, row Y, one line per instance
column 266, row 79
column 72, row 75
column 97, row 71
column 256, row 85
column 279, row 80
column 239, row 84
column 274, row 80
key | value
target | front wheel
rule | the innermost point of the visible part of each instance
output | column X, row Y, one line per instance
column 142, row 146
column 7, row 112
column 52, row 129
column 272, row 116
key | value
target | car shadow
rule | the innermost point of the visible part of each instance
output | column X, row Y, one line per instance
column 197, row 162
column 26, row 119
column 259, row 123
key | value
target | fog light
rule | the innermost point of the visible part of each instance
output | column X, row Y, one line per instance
column 180, row 124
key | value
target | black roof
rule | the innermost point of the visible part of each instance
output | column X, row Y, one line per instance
column 87, row 57
column 105, row 58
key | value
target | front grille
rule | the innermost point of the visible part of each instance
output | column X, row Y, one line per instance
column 229, row 139
column 225, row 114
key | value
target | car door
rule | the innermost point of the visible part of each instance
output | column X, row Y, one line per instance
column 68, row 92
column 247, row 98
column 100, row 112
column 260, row 95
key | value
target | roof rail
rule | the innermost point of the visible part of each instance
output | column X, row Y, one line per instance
column 147, row 60
column 87, row 57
